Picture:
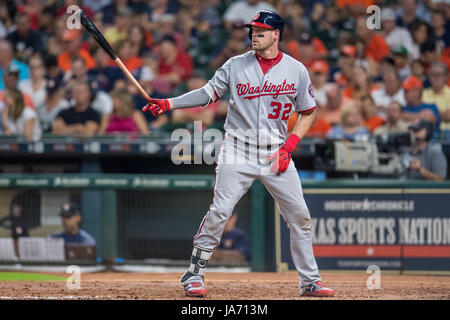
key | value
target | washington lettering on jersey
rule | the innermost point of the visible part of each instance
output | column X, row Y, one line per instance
column 260, row 104
column 268, row 89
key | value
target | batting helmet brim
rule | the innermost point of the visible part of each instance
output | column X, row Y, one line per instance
column 257, row 24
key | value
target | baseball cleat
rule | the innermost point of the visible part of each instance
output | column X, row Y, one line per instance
column 317, row 289
column 195, row 289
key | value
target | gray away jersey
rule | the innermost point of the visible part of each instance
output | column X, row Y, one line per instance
column 260, row 104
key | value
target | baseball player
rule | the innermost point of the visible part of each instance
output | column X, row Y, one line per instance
column 266, row 86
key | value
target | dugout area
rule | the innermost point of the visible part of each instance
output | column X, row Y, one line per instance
column 149, row 221
column 144, row 226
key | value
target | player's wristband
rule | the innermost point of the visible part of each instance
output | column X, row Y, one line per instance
column 291, row 143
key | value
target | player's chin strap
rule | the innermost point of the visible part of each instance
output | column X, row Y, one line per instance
column 199, row 261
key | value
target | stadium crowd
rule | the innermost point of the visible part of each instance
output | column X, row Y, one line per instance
column 54, row 80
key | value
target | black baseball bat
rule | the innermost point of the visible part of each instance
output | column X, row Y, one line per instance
column 98, row 36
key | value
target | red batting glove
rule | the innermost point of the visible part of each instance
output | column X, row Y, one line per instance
column 283, row 155
column 157, row 106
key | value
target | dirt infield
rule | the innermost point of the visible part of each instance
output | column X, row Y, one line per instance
column 228, row 286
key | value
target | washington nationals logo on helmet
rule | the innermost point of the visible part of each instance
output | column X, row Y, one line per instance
column 255, row 16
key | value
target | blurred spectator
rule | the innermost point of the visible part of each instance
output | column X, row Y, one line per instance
column 54, row 103
column 371, row 120
column 80, row 120
column 354, row 7
column 243, row 11
column 386, row 64
column 325, row 23
column 429, row 55
column 24, row 213
column 96, row 5
column 35, row 86
column 159, row 8
column 24, row 40
column 72, row 48
column 336, row 102
column 149, row 70
column 407, row 13
column 11, row 79
column 175, row 66
column 440, row 28
column 394, row 35
column 307, row 49
column 124, row 118
column 72, row 233
column 360, row 84
column 421, row 33
column 319, row 128
column 234, row 245
column 208, row 17
column 8, row 10
column 376, row 46
column 294, row 16
column 19, row 119
column 200, row 30
column 104, row 73
column 101, row 101
column 418, row 70
column 62, row 7
column 52, row 70
column 15, row 221
column 401, row 62
column 7, row 59
column 319, row 74
column 56, row 44
column 350, row 127
column 46, row 25
column 167, row 25
column 236, row 44
column 137, row 37
column 188, row 115
column 394, row 122
column 345, row 64
column 118, row 30
column 426, row 161
column 439, row 92
column 363, row 61
column 124, row 49
column 187, row 23
column 415, row 109
column 391, row 90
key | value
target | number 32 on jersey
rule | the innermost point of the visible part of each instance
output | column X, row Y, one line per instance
column 280, row 109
